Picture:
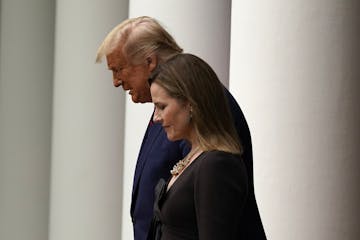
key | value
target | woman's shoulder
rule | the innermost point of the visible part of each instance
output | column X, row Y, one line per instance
column 218, row 167
column 220, row 159
column 221, row 155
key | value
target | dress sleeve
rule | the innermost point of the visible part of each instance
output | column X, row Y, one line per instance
column 220, row 194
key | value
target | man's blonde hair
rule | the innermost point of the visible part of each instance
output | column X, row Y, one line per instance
column 138, row 38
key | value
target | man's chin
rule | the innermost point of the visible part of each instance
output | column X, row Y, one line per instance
column 137, row 100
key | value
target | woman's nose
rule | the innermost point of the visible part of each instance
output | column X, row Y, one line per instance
column 156, row 117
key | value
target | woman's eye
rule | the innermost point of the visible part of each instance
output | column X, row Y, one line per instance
column 161, row 107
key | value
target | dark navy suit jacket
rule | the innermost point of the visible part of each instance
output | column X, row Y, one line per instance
column 158, row 155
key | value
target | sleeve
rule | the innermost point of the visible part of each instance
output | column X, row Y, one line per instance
column 220, row 194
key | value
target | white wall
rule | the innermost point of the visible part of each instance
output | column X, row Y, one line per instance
column 294, row 69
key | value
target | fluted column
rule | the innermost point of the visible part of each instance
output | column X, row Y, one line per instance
column 201, row 27
column 87, row 149
column 26, row 69
column 295, row 70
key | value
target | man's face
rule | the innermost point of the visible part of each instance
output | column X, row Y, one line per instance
column 132, row 78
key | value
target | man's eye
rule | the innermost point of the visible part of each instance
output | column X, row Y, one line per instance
column 119, row 69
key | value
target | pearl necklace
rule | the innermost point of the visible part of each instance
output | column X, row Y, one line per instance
column 180, row 165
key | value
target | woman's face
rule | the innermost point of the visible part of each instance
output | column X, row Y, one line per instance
column 174, row 115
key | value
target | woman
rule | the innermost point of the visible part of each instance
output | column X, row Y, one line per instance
column 205, row 196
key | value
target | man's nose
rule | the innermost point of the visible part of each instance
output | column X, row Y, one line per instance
column 117, row 82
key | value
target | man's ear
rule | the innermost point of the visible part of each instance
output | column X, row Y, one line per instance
column 151, row 62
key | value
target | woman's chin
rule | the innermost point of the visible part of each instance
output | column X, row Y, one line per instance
column 171, row 137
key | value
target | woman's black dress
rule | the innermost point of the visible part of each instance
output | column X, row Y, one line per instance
column 205, row 202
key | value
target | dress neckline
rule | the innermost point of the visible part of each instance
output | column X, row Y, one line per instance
column 168, row 188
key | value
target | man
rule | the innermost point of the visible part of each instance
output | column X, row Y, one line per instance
column 133, row 49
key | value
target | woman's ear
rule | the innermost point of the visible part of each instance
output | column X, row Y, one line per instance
column 189, row 106
column 190, row 111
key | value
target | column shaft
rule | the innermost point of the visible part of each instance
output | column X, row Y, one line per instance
column 26, row 69
column 294, row 69
column 87, row 149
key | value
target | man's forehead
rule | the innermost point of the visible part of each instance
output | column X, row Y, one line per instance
column 116, row 57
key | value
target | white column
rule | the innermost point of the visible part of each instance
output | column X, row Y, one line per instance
column 295, row 71
column 26, row 68
column 87, row 148
column 200, row 27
